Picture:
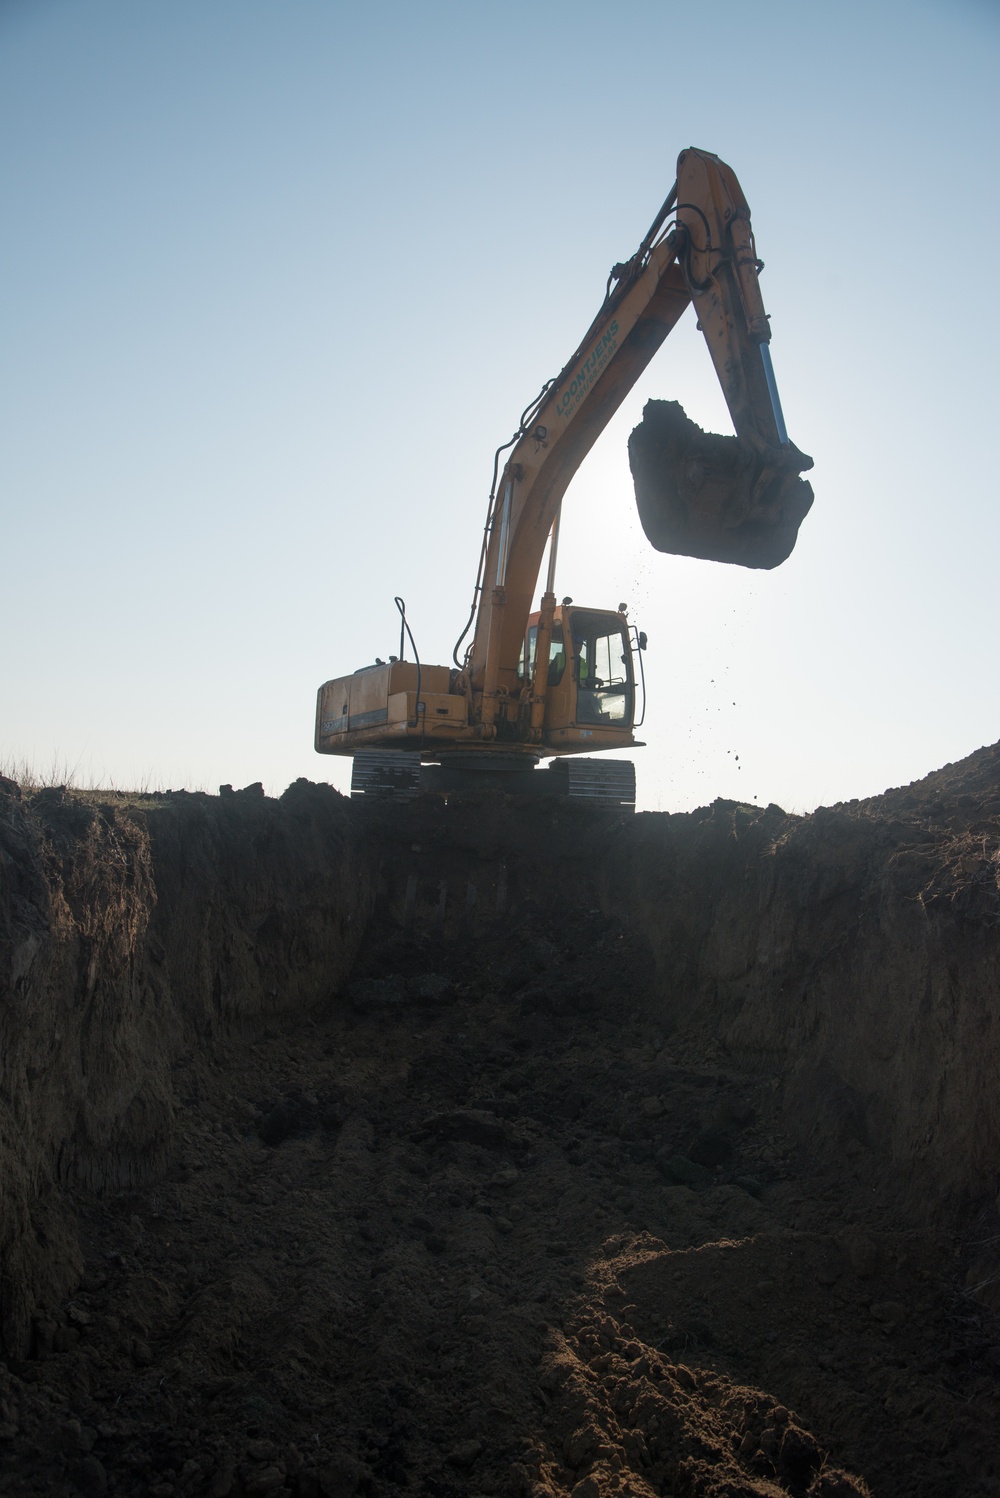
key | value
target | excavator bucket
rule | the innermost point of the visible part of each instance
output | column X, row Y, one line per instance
column 718, row 498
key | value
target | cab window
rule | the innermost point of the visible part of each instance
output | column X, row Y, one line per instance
column 557, row 655
column 526, row 664
column 602, row 669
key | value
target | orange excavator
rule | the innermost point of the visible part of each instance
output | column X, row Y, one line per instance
column 561, row 680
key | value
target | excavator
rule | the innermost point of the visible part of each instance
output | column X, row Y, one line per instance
column 563, row 680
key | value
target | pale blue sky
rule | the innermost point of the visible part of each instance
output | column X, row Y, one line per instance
column 278, row 278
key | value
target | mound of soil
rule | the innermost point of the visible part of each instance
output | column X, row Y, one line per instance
column 499, row 1149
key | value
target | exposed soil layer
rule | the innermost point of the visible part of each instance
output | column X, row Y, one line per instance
column 499, row 1149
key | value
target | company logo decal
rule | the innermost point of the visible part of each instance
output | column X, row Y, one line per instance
column 588, row 371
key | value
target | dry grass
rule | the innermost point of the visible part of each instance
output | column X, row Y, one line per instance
column 31, row 779
column 69, row 777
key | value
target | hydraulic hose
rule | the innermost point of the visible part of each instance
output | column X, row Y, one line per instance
column 403, row 625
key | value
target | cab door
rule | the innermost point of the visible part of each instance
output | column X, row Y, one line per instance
column 601, row 669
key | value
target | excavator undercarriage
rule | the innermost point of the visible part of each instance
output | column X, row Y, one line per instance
column 388, row 775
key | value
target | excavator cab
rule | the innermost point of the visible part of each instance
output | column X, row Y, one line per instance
column 588, row 680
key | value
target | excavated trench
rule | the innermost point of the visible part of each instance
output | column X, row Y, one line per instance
column 500, row 1149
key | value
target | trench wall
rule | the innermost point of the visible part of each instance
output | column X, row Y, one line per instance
column 853, row 954
column 130, row 934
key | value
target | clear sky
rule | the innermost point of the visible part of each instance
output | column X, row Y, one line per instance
column 279, row 277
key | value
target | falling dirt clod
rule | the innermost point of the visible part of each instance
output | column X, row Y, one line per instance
column 718, row 498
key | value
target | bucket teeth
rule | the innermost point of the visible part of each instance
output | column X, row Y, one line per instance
column 718, row 498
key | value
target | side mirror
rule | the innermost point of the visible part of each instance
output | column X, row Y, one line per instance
column 642, row 639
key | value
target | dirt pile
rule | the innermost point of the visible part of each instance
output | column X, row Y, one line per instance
column 500, row 1150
